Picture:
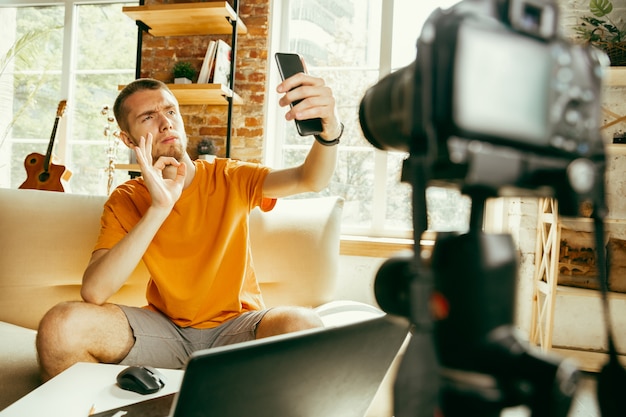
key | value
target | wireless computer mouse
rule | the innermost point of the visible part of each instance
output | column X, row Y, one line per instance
column 141, row 379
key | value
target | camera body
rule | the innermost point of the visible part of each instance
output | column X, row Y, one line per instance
column 494, row 89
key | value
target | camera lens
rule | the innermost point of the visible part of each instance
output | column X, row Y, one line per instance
column 387, row 113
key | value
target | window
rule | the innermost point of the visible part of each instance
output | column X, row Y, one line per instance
column 74, row 51
column 352, row 44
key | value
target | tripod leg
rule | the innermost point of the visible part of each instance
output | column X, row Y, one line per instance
column 416, row 387
column 475, row 274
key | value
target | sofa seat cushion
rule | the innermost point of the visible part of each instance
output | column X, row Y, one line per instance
column 20, row 371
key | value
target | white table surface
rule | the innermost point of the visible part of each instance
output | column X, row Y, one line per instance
column 73, row 392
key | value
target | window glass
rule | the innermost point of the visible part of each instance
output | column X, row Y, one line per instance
column 408, row 18
column 106, row 38
column 86, row 74
column 352, row 44
column 340, row 42
column 30, row 85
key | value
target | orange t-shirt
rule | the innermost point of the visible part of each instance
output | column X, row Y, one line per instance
column 199, row 261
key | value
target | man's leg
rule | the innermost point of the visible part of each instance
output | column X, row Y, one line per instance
column 282, row 320
column 81, row 332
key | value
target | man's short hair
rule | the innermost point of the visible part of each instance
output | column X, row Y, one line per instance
column 120, row 111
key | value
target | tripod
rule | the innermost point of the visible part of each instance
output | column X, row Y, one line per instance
column 481, row 366
column 484, row 366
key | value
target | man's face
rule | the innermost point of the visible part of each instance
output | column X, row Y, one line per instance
column 157, row 112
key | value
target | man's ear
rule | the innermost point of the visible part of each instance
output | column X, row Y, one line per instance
column 126, row 139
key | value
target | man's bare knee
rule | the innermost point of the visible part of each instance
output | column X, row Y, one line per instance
column 306, row 318
column 56, row 327
column 286, row 320
column 80, row 332
column 54, row 338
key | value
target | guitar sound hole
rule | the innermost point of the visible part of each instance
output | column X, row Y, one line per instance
column 43, row 177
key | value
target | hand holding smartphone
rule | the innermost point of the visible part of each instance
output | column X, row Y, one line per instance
column 290, row 64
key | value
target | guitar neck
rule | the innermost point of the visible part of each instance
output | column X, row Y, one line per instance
column 60, row 111
column 46, row 162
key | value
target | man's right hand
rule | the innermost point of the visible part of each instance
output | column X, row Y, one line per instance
column 108, row 269
column 164, row 178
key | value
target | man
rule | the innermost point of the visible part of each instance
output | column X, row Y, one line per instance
column 188, row 221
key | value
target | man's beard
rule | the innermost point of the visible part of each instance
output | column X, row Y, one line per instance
column 175, row 151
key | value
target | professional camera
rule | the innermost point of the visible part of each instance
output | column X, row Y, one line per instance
column 496, row 103
column 494, row 90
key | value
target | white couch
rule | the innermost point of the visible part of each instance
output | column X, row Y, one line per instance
column 47, row 241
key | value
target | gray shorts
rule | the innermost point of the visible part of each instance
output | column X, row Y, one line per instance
column 161, row 343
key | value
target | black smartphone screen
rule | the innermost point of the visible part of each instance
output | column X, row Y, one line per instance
column 288, row 65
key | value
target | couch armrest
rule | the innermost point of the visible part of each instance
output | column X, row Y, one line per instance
column 295, row 249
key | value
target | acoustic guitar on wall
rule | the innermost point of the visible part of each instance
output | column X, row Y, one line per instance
column 41, row 173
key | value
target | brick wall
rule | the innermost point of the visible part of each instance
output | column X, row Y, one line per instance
column 209, row 122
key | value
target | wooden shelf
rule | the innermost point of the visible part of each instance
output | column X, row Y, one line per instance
column 197, row 94
column 375, row 247
column 184, row 19
column 589, row 361
column 615, row 149
column 568, row 291
column 547, row 288
column 586, row 224
column 615, row 77
column 128, row 167
column 195, row 19
column 212, row 94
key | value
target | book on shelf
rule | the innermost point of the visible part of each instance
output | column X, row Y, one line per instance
column 207, row 64
column 221, row 69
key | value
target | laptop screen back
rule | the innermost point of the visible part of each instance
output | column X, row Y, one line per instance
column 330, row 372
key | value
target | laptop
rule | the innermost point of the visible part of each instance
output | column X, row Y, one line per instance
column 327, row 372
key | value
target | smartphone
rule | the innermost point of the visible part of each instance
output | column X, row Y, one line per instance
column 288, row 65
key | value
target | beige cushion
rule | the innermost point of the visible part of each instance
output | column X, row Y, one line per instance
column 48, row 238
column 295, row 249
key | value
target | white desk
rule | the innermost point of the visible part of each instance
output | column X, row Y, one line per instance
column 73, row 392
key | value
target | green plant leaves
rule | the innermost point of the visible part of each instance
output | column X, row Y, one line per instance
column 600, row 8
column 22, row 45
column 599, row 29
column 183, row 69
column 23, row 50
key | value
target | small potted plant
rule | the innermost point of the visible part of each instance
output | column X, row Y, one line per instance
column 183, row 72
column 206, row 149
column 604, row 30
